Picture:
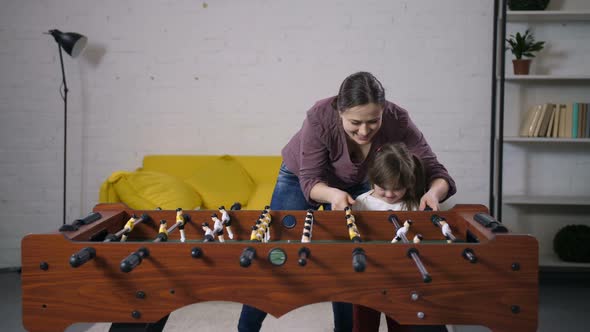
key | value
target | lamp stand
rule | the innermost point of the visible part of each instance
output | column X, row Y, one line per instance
column 65, row 99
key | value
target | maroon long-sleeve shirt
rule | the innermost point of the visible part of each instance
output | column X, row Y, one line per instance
column 318, row 152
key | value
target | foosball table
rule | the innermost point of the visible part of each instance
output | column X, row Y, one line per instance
column 459, row 266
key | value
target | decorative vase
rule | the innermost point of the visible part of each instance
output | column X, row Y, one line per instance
column 527, row 4
column 521, row 66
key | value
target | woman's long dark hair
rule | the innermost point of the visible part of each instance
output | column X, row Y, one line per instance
column 394, row 166
column 360, row 88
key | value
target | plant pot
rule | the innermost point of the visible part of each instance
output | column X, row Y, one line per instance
column 522, row 66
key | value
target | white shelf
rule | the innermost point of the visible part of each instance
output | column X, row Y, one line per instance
column 547, row 16
column 545, row 200
column 551, row 260
column 513, row 139
column 540, row 78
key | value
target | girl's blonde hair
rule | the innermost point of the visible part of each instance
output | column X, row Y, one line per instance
column 395, row 167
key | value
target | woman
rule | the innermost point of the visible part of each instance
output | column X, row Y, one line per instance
column 325, row 162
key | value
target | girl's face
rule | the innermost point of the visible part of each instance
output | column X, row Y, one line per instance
column 389, row 196
column 361, row 123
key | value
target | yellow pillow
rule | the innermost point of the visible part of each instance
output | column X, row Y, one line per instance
column 222, row 181
column 146, row 190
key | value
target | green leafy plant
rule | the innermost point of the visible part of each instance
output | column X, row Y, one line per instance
column 524, row 45
column 527, row 4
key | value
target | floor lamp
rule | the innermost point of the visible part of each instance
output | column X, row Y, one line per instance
column 73, row 43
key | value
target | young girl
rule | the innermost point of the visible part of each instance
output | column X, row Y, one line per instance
column 398, row 181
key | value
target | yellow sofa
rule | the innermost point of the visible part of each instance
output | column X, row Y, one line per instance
column 194, row 181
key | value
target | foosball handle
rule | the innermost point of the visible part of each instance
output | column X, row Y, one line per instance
column 133, row 260
column 247, row 256
column 359, row 259
column 304, row 253
column 82, row 256
column 490, row 222
column 196, row 252
column 89, row 219
column 469, row 255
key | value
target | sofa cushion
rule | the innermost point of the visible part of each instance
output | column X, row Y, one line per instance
column 222, row 181
column 146, row 190
column 261, row 197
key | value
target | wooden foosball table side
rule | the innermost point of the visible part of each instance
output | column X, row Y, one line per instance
column 499, row 291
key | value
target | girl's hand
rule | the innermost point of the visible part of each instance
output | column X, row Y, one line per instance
column 340, row 199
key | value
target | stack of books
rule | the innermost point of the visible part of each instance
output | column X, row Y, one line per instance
column 556, row 120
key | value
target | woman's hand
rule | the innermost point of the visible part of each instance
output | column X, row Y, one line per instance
column 340, row 199
column 429, row 199
column 323, row 193
column 437, row 192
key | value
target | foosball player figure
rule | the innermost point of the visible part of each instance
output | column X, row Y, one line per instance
column 208, row 233
column 128, row 227
column 262, row 230
column 265, row 219
column 446, row 230
column 217, row 227
column 307, row 227
column 402, row 231
column 180, row 221
column 162, row 232
column 349, row 214
column 418, row 238
column 226, row 221
column 254, row 234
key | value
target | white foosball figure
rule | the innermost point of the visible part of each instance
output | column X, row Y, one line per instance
column 402, row 231
column 208, row 233
column 446, row 231
column 226, row 221
column 417, row 238
column 218, row 228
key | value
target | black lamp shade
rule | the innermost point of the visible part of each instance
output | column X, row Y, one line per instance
column 73, row 43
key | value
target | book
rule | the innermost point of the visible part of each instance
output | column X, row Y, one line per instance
column 526, row 122
column 575, row 118
column 581, row 119
column 567, row 121
column 534, row 122
column 540, row 120
column 548, row 107
column 555, row 132
column 562, row 118
column 549, row 132
column 587, row 122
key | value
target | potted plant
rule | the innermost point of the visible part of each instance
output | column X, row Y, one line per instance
column 527, row 4
column 523, row 46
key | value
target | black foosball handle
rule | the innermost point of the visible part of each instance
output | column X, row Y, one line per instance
column 469, row 255
column 133, row 260
column 82, row 256
column 490, row 222
column 359, row 260
column 247, row 256
column 304, row 253
column 196, row 252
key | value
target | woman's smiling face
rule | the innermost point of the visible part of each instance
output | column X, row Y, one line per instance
column 361, row 123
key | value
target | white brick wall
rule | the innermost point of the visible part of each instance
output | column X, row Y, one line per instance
column 175, row 77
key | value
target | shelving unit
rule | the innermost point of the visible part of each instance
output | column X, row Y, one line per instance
column 539, row 185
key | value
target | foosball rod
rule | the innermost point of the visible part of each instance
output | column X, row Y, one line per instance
column 412, row 252
column 359, row 258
